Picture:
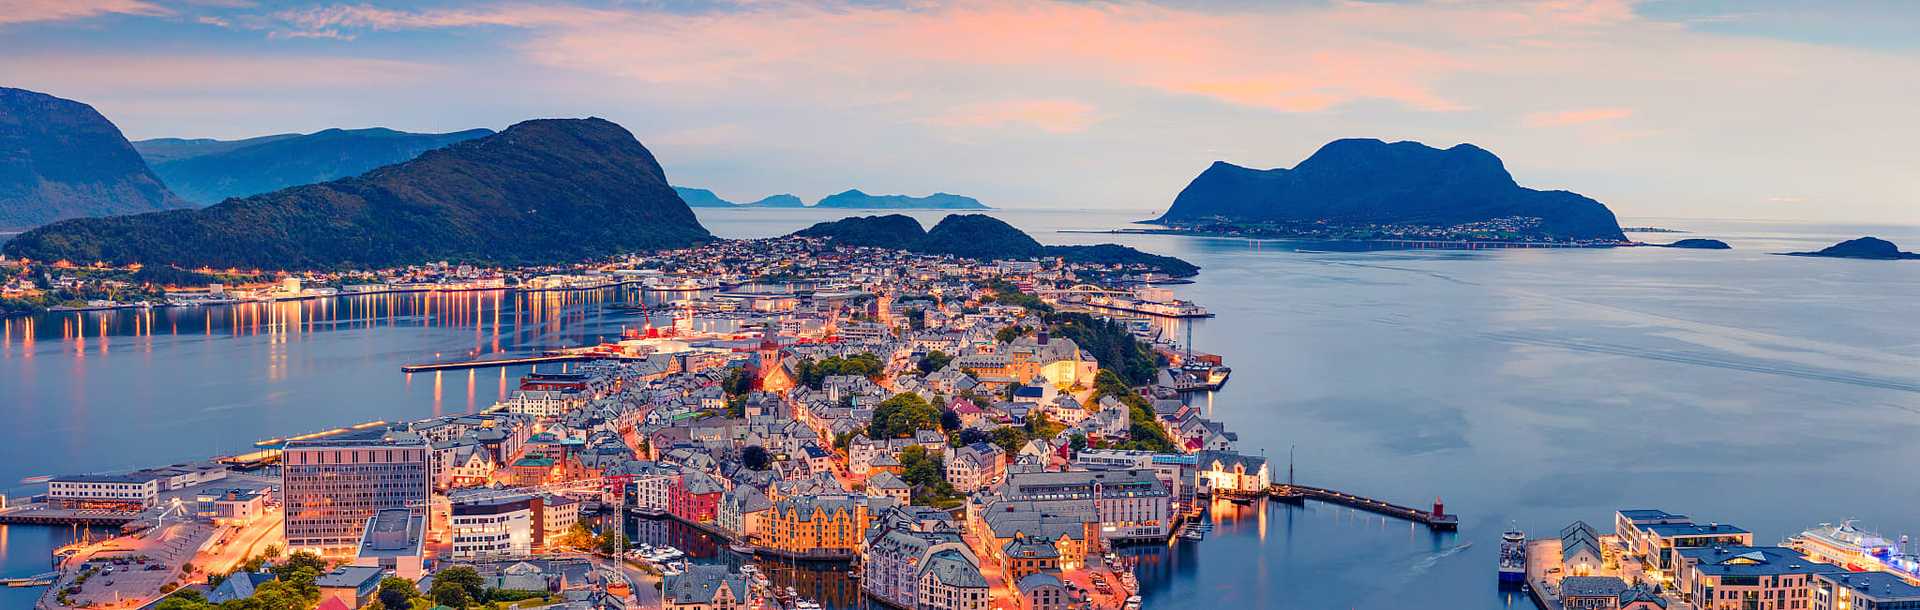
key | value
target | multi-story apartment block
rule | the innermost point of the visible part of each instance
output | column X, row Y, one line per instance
column 331, row 487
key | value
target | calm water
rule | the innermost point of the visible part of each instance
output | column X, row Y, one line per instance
column 1523, row 386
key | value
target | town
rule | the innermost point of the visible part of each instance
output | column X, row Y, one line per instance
column 935, row 427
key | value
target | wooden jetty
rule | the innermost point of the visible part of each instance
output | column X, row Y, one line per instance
column 1436, row 519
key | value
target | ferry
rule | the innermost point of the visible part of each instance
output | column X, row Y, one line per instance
column 1513, row 557
column 1857, row 550
column 679, row 285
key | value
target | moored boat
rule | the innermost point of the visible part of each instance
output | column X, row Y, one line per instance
column 1513, row 557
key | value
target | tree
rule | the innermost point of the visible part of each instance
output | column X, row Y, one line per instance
column 949, row 420
column 299, row 561
column 579, row 537
column 449, row 594
column 927, row 473
column 1008, row 334
column 738, row 382
column 611, row 542
column 970, row 436
column 934, row 361
column 464, row 577
column 755, row 457
column 187, row 599
column 396, row 592
column 901, row 415
column 1009, row 439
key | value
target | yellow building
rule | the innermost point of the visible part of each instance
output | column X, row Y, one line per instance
column 803, row 524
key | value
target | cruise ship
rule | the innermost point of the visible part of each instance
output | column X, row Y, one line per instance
column 1513, row 557
column 1857, row 550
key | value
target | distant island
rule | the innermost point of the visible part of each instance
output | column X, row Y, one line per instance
column 1699, row 244
column 1872, row 248
column 208, row 171
column 856, row 199
column 981, row 237
column 542, row 191
column 851, row 199
column 703, row 198
column 1364, row 189
column 61, row 159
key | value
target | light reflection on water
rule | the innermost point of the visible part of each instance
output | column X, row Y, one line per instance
column 1529, row 387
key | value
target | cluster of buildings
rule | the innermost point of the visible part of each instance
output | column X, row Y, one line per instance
column 1655, row 559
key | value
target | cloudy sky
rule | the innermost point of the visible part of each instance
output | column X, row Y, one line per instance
column 1754, row 109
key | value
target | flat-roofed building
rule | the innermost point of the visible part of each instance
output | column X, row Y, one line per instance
column 498, row 527
column 1863, row 591
column 394, row 541
column 121, row 492
column 1666, row 539
column 331, row 487
column 1127, row 504
column 1747, row 577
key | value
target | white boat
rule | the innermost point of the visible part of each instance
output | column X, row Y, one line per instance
column 1855, row 549
column 1513, row 557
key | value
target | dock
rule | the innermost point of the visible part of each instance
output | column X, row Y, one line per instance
column 37, row 580
column 1436, row 519
column 60, row 516
column 480, row 364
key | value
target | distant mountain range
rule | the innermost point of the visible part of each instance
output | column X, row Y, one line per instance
column 1864, row 247
column 703, row 198
column 210, row 171
column 550, row 190
column 851, row 199
column 980, row 237
column 61, row 159
column 1370, row 182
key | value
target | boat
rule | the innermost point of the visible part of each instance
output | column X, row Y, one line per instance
column 1133, row 603
column 1513, row 557
column 1848, row 546
column 806, row 604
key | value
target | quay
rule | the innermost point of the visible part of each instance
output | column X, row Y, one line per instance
column 37, row 580
column 1436, row 519
column 63, row 516
column 480, row 364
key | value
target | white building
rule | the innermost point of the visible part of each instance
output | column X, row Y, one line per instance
column 495, row 528
column 103, row 491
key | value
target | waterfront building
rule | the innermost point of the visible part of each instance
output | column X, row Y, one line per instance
column 695, row 497
column 1858, row 550
column 117, row 492
column 895, row 560
column 235, row 506
column 1232, row 473
column 1746, row 577
column 1126, row 504
column 743, row 512
column 394, row 541
column 497, row 527
column 1580, row 551
column 804, row 524
column 705, row 587
column 1630, row 525
column 1863, row 591
column 1042, row 592
column 1591, row 592
column 331, row 487
column 1669, row 538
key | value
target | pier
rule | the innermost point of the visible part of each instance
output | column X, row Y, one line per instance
column 481, row 364
column 40, row 515
column 1436, row 519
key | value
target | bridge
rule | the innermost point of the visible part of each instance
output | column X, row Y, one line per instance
column 1436, row 519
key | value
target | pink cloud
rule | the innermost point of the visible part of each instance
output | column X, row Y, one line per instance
column 1056, row 116
column 26, row 11
column 1580, row 116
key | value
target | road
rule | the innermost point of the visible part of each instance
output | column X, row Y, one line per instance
column 645, row 593
column 242, row 542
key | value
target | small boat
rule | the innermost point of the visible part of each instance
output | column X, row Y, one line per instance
column 1133, row 603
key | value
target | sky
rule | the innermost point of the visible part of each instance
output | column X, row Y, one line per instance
column 1773, row 109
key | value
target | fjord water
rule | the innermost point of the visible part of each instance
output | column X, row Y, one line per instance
column 1532, row 387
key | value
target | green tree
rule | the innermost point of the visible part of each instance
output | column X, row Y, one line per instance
column 755, row 457
column 464, row 577
column 396, row 592
column 449, row 594
column 299, row 561
column 738, row 382
column 1009, row 439
column 934, row 361
column 185, row 599
column 901, row 415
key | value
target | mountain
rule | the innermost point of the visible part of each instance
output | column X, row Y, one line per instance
column 60, row 159
column 210, row 171
column 1864, row 247
column 783, row 200
column 1369, row 182
column 1699, row 244
column 703, row 198
column 855, row 199
column 550, row 190
column 162, row 150
column 981, row 237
